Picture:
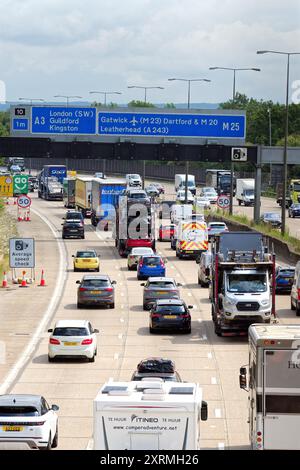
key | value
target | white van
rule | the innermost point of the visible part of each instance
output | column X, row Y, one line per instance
column 148, row 415
column 133, row 180
column 181, row 212
column 180, row 183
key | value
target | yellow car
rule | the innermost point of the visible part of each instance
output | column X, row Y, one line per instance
column 86, row 260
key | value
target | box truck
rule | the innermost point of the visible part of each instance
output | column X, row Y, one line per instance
column 83, row 194
column 272, row 381
column 245, row 191
column 148, row 415
column 180, row 183
column 69, row 192
column 220, row 180
column 105, row 198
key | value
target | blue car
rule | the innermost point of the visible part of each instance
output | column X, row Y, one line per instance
column 151, row 266
column 284, row 279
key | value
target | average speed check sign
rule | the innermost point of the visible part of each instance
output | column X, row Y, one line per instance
column 223, row 202
column 24, row 202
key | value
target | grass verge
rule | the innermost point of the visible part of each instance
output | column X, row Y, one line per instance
column 8, row 229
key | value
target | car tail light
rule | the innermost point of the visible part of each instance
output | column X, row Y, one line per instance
column 82, row 289
column 298, row 294
column 109, row 289
column 185, row 315
column 156, row 315
column 209, row 229
column 87, row 341
column 140, row 264
column 54, row 341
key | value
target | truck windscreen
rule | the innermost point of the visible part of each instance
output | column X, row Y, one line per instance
column 247, row 283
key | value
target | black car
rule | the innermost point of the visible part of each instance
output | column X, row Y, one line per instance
column 74, row 215
column 158, row 368
column 32, row 183
column 272, row 218
column 294, row 210
column 73, row 229
column 284, row 277
column 170, row 314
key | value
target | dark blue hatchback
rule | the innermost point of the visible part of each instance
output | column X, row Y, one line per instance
column 284, row 278
column 170, row 314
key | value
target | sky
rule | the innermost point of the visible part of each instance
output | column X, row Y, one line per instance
column 58, row 47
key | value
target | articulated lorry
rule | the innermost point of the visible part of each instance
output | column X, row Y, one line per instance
column 220, row 180
column 83, row 194
column 50, row 182
column 243, row 282
column 104, row 200
column 148, row 415
column 272, row 381
column 135, row 225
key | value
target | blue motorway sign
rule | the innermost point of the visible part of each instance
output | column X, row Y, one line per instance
column 63, row 120
column 172, row 125
column 20, row 124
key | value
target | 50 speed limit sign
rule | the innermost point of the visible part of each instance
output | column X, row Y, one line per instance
column 23, row 202
column 223, row 202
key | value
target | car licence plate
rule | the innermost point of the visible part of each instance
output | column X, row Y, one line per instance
column 170, row 317
column 189, row 251
column 70, row 343
column 95, row 291
column 12, row 428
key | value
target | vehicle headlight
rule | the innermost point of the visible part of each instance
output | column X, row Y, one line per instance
column 230, row 301
column 265, row 303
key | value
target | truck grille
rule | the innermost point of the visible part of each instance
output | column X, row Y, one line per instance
column 247, row 306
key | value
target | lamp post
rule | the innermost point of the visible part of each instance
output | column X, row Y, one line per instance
column 270, row 140
column 234, row 70
column 188, row 80
column 145, row 88
column 283, row 207
column 68, row 97
column 31, row 99
column 105, row 93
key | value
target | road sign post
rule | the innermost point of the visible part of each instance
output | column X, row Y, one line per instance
column 223, row 202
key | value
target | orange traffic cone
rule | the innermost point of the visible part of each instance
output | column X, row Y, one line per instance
column 23, row 283
column 4, row 282
column 43, row 282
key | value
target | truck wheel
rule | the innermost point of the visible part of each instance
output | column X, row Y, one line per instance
column 218, row 330
column 293, row 306
column 199, row 282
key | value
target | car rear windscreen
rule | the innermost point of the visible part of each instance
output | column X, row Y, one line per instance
column 170, row 309
column 160, row 284
column 85, row 254
column 18, row 411
column 151, row 260
column 95, row 283
column 70, row 332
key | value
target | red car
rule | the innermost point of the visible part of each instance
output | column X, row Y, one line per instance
column 166, row 232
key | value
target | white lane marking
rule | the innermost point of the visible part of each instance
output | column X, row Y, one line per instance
column 51, row 309
column 213, row 380
column 209, row 355
column 199, row 320
column 221, row 446
column 122, row 306
column 121, row 283
column 116, row 356
column 204, row 337
column 120, row 336
column 122, row 319
column 122, row 294
column 218, row 413
column 111, row 379
column 90, row 445
column 119, row 274
column 117, row 267
column 195, row 307
column 189, row 294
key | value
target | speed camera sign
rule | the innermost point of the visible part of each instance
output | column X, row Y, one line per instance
column 223, row 202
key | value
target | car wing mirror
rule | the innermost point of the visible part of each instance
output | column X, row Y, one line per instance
column 204, row 411
column 96, row 331
column 78, row 282
column 143, row 284
column 179, row 284
column 191, row 306
column 55, row 407
column 114, row 282
column 243, row 378
column 50, row 330
column 73, row 256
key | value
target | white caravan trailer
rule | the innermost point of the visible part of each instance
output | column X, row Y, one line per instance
column 273, row 386
column 148, row 415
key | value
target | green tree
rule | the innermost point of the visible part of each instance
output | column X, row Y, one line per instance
column 140, row 104
column 293, row 140
column 170, row 106
column 4, row 124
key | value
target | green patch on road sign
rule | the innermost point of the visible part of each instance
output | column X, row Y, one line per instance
column 20, row 184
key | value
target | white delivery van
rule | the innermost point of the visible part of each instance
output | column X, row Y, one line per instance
column 148, row 415
column 133, row 180
column 180, row 212
column 192, row 237
column 245, row 191
column 274, row 387
column 180, row 183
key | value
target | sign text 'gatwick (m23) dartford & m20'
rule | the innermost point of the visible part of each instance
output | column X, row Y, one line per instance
column 65, row 120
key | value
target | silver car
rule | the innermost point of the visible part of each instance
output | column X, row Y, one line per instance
column 134, row 256
column 96, row 290
column 159, row 288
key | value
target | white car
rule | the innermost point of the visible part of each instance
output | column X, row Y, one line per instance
column 180, row 197
column 28, row 419
column 210, row 194
column 71, row 339
column 202, row 202
column 135, row 254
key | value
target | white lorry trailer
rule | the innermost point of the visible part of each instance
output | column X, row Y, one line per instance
column 245, row 191
column 274, row 386
column 148, row 415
